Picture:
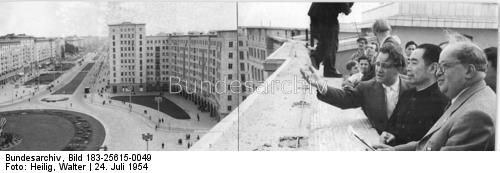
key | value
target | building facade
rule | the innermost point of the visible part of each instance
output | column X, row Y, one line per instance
column 22, row 55
column 216, row 70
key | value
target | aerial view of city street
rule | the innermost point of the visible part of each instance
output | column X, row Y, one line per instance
column 174, row 76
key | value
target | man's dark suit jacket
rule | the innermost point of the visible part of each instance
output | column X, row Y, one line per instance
column 369, row 95
column 415, row 113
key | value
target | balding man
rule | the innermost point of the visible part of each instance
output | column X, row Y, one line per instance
column 468, row 123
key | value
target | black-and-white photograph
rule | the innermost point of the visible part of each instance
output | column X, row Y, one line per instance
column 248, row 76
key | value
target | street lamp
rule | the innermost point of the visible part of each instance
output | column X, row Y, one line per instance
column 147, row 137
column 158, row 99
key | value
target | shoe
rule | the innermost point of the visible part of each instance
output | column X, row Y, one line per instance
column 333, row 75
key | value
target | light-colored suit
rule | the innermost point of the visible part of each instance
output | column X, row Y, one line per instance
column 468, row 124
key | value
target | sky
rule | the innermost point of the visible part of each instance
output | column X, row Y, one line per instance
column 58, row 18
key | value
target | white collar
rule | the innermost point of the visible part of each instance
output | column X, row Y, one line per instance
column 394, row 86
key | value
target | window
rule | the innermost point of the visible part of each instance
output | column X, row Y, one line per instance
column 230, row 55
column 240, row 43
column 242, row 55
column 228, row 108
column 242, row 66
column 229, row 98
column 230, row 44
column 242, row 77
column 230, row 66
column 229, row 77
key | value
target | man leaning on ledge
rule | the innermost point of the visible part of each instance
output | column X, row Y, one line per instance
column 376, row 97
column 468, row 123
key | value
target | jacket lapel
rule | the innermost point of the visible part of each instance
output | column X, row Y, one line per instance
column 457, row 104
column 383, row 99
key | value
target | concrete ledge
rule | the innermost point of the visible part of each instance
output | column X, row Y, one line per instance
column 284, row 114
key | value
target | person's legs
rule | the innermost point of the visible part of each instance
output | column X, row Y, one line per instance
column 315, row 35
column 329, row 38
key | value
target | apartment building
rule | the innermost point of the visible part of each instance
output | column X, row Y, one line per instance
column 209, row 69
column 22, row 54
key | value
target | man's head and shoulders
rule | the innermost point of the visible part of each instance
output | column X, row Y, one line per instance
column 421, row 70
column 390, row 63
column 460, row 76
column 462, row 69
column 382, row 30
column 491, row 74
column 361, row 50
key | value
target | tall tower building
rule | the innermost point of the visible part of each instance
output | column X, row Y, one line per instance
column 126, row 51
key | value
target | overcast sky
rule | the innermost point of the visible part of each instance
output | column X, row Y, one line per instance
column 52, row 18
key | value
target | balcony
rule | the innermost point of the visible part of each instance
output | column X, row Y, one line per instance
column 284, row 113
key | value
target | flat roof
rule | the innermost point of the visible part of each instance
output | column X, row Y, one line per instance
column 126, row 23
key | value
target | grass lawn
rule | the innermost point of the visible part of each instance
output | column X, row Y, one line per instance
column 51, row 130
column 45, row 79
column 63, row 67
column 71, row 87
column 166, row 106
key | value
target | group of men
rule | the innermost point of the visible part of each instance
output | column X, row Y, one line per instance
column 431, row 99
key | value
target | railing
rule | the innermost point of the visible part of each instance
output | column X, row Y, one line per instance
column 284, row 114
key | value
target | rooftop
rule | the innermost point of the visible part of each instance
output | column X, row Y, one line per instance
column 126, row 23
column 284, row 114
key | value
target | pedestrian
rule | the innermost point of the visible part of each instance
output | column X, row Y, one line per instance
column 162, row 145
column 70, row 104
column 198, row 117
column 197, row 137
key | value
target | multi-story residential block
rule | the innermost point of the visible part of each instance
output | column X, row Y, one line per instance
column 216, row 70
column 22, row 54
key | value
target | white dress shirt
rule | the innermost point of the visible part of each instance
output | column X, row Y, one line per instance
column 391, row 96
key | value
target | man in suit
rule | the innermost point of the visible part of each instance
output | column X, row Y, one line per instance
column 420, row 107
column 468, row 123
column 377, row 97
column 325, row 28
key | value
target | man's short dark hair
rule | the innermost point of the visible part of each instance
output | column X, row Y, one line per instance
column 410, row 43
column 397, row 59
column 491, row 55
column 431, row 53
column 364, row 58
column 362, row 39
column 350, row 64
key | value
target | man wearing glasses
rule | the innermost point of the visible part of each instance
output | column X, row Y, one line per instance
column 468, row 123
column 377, row 97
